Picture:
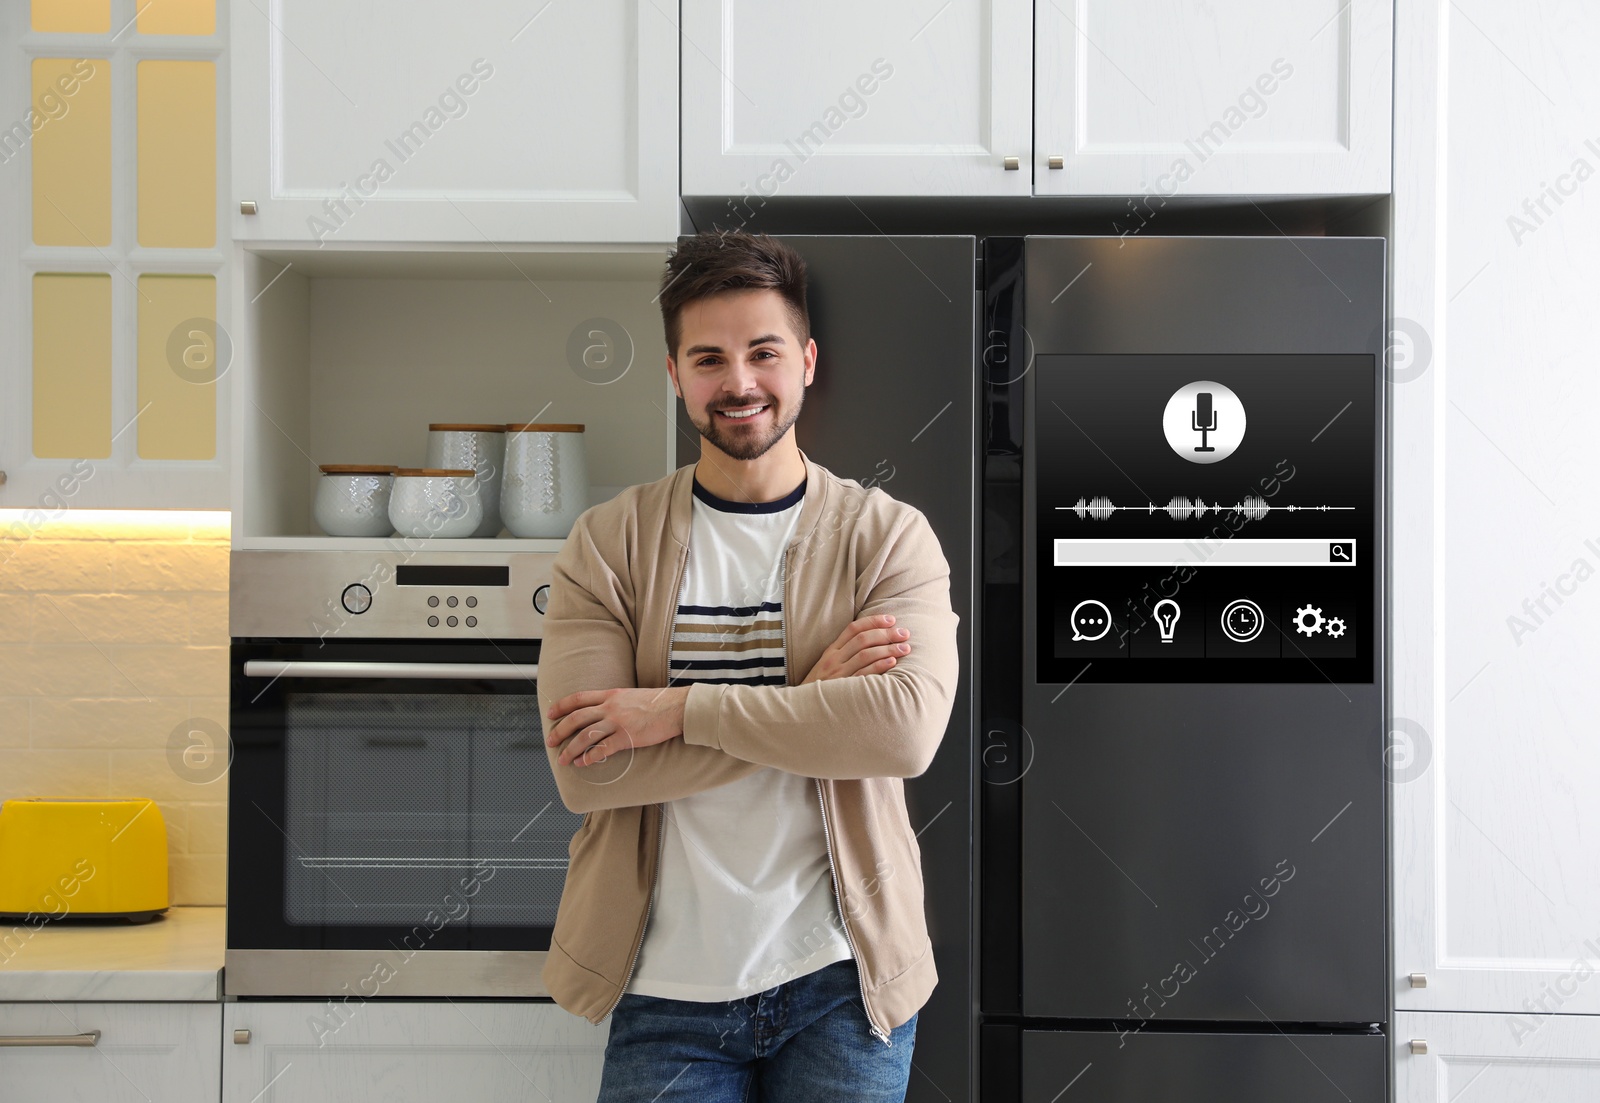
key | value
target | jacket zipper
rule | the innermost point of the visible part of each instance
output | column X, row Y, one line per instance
column 827, row 837
column 661, row 846
column 661, row 809
column 844, row 921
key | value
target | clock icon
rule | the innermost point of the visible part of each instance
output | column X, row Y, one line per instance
column 1242, row 620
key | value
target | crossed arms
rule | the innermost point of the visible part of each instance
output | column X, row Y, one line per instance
column 883, row 725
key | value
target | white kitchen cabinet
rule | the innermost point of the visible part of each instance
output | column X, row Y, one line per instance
column 354, row 1050
column 1553, row 1060
column 1496, row 526
column 843, row 98
column 1091, row 97
column 406, row 120
column 112, row 393
column 143, row 1051
column 1194, row 97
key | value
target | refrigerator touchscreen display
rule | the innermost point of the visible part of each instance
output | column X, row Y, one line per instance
column 1205, row 518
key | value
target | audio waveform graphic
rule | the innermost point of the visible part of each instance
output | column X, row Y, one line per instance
column 1181, row 509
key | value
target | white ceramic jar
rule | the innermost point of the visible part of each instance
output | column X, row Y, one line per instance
column 546, row 482
column 352, row 499
column 429, row 502
column 481, row 448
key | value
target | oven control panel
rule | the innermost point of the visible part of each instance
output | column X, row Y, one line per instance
column 383, row 595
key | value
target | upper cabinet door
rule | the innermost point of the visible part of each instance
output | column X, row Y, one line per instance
column 408, row 120
column 1213, row 97
column 843, row 98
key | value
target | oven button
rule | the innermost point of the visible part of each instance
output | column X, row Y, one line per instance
column 450, row 622
column 541, row 598
column 433, row 622
column 472, row 603
column 433, row 601
column 472, row 622
column 451, row 601
column 356, row 598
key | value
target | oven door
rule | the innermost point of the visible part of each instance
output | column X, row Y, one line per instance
column 394, row 828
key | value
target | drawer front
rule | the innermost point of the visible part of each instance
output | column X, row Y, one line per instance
column 409, row 1052
column 143, row 1051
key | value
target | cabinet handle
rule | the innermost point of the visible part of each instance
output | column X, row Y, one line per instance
column 247, row 206
column 87, row 1038
column 1419, row 980
column 1058, row 162
column 241, row 1037
column 1013, row 164
column 1419, row 1046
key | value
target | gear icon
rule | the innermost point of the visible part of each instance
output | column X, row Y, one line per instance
column 1335, row 627
column 1311, row 626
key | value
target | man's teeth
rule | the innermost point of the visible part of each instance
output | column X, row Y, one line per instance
column 744, row 414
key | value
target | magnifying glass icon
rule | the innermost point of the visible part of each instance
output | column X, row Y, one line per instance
column 1339, row 551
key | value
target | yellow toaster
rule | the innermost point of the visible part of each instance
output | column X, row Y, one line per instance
column 65, row 858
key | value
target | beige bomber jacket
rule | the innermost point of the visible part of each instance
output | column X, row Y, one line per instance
column 856, row 552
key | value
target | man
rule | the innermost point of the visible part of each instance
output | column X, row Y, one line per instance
column 732, row 699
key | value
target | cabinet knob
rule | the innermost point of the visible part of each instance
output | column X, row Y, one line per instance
column 247, row 206
column 1013, row 164
column 1058, row 162
column 241, row 1037
column 1419, row 1046
column 1419, row 980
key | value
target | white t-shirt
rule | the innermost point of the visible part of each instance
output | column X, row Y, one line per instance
column 744, row 899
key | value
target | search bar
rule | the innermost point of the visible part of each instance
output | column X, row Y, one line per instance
column 1199, row 552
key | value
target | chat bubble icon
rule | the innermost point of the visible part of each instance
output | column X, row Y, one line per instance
column 1090, row 620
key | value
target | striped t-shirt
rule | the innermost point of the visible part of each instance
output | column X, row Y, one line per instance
column 744, row 900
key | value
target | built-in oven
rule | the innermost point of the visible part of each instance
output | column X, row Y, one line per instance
column 394, row 828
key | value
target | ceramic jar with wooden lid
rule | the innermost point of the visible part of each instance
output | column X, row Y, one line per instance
column 432, row 502
column 353, row 499
column 482, row 448
column 546, row 483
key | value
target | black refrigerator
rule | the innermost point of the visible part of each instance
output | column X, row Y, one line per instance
column 1183, row 875
column 1154, row 842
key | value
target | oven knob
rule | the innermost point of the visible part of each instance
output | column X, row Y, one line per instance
column 541, row 598
column 357, row 598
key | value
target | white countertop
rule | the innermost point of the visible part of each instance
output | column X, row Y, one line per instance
column 177, row 957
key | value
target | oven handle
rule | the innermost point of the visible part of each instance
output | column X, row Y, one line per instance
column 275, row 668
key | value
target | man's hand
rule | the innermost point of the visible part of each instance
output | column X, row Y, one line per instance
column 597, row 723
column 870, row 645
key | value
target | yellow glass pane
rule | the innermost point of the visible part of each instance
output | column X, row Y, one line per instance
column 177, row 16
column 178, row 366
column 71, row 122
column 72, row 16
column 177, row 154
column 72, row 366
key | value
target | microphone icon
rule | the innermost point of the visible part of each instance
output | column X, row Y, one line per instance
column 1203, row 420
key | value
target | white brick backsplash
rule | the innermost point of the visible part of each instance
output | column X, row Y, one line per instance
column 106, row 647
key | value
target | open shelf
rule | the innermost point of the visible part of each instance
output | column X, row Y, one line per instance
column 347, row 355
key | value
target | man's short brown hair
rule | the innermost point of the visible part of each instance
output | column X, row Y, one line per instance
column 713, row 262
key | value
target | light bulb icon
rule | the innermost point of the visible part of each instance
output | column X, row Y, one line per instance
column 1167, row 614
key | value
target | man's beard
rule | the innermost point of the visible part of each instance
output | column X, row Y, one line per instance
column 741, row 444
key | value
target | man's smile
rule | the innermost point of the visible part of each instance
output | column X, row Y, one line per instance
column 743, row 413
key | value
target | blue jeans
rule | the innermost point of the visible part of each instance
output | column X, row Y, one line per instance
column 807, row 1039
